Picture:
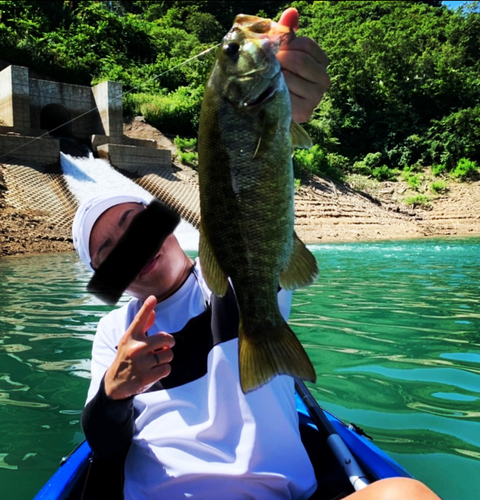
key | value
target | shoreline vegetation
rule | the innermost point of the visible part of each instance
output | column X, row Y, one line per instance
column 397, row 135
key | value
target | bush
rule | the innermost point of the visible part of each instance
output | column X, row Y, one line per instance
column 420, row 200
column 187, row 151
column 338, row 165
column 438, row 187
column 175, row 113
column 315, row 161
column 439, row 169
column 413, row 180
column 185, row 144
column 464, row 170
column 407, row 152
column 454, row 137
column 384, row 173
column 366, row 166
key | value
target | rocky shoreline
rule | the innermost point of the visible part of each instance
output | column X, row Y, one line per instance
column 336, row 217
column 29, row 232
column 361, row 210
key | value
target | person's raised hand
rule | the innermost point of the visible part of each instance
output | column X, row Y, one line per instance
column 141, row 361
column 304, row 65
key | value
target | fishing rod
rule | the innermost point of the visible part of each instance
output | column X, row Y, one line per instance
column 350, row 466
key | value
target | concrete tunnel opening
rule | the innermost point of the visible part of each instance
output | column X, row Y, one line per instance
column 56, row 119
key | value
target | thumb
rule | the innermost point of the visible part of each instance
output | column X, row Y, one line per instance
column 289, row 18
column 144, row 319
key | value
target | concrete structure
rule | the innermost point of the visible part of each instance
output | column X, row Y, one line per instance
column 33, row 111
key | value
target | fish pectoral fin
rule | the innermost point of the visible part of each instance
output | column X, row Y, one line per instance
column 302, row 268
column 299, row 138
column 215, row 278
column 275, row 352
column 258, row 147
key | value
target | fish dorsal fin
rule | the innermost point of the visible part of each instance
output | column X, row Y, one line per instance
column 215, row 278
column 299, row 138
column 301, row 270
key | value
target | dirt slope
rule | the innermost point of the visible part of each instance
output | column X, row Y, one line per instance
column 325, row 211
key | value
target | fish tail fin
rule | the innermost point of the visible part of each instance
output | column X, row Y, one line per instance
column 278, row 352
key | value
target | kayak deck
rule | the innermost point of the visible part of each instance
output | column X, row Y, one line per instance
column 81, row 478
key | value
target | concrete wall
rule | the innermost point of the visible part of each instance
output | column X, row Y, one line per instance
column 132, row 157
column 19, row 148
column 15, row 97
column 25, row 102
column 30, row 107
column 108, row 99
column 76, row 99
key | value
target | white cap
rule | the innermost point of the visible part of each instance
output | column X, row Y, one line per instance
column 88, row 213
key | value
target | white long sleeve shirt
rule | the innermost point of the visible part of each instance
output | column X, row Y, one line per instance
column 199, row 436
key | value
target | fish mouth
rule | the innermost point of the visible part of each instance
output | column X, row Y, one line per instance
column 261, row 99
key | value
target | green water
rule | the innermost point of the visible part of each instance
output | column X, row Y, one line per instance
column 392, row 328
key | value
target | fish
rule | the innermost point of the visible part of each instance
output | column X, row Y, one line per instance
column 245, row 142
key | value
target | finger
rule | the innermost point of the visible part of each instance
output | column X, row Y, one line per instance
column 159, row 341
column 289, row 18
column 312, row 90
column 306, row 48
column 161, row 371
column 162, row 357
column 144, row 319
column 304, row 96
column 302, row 108
column 156, row 373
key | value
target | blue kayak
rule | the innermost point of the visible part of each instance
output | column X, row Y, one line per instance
column 343, row 458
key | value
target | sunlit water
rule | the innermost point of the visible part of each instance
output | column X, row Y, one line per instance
column 392, row 328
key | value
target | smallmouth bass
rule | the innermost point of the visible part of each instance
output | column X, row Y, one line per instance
column 245, row 143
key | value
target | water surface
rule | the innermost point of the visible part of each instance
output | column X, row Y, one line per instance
column 392, row 329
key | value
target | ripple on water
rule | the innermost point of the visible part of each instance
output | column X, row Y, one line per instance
column 391, row 328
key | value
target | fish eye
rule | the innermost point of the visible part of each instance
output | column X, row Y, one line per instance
column 232, row 49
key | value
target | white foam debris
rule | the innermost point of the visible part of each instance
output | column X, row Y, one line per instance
column 88, row 177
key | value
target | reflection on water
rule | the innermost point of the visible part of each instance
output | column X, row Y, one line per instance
column 392, row 329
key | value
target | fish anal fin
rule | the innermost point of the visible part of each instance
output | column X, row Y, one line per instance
column 302, row 268
column 299, row 138
column 214, row 276
column 274, row 353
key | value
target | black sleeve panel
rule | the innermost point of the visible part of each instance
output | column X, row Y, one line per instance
column 108, row 424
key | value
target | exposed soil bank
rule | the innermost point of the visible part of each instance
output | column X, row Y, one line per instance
column 325, row 212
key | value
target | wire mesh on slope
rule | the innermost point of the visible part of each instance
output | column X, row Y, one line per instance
column 176, row 188
column 40, row 188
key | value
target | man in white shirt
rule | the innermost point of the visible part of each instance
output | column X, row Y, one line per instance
column 172, row 402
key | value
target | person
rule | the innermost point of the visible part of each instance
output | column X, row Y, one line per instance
column 165, row 392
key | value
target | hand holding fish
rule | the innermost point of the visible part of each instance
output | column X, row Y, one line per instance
column 304, row 66
column 141, row 361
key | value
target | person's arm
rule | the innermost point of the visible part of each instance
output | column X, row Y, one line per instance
column 108, row 424
column 304, row 65
column 108, row 418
